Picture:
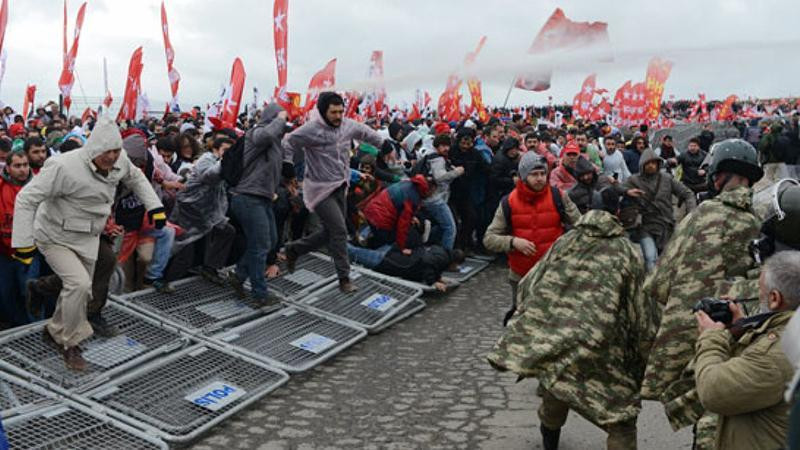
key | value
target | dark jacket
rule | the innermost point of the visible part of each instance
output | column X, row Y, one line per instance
column 501, row 172
column 691, row 163
column 395, row 206
column 475, row 170
column 263, row 155
column 581, row 194
column 632, row 160
column 424, row 264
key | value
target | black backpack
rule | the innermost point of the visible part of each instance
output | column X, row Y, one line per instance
column 232, row 165
column 423, row 166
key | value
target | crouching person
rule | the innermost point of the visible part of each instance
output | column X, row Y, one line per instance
column 741, row 372
column 62, row 212
column 421, row 264
column 582, row 328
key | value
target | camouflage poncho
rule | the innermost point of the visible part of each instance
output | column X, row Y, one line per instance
column 709, row 247
column 580, row 326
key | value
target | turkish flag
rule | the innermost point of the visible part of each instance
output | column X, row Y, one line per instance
column 132, row 87
column 30, row 94
column 558, row 34
column 172, row 73
column 233, row 95
column 280, row 33
column 67, row 79
column 321, row 81
column 658, row 71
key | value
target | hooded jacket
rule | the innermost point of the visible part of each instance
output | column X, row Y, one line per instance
column 424, row 264
column 655, row 206
column 501, row 173
column 327, row 154
column 68, row 203
column 581, row 194
column 395, row 206
column 263, row 155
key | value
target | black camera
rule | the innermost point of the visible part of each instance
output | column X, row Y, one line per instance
column 717, row 309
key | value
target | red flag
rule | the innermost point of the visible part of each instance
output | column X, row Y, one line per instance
column 560, row 33
column 657, row 73
column 726, row 110
column 321, row 81
column 172, row 73
column 376, row 95
column 108, row 100
column 64, row 47
column 3, row 22
column 351, row 100
column 30, row 94
column 638, row 102
column 582, row 102
column 87, row 113
column 233, row 95
column 414, row 114
column 67, row 79
column 132, row 87
column 474, row 85
column 621, row 99
column 450, row 100
column 280, row 33
column 427, row 100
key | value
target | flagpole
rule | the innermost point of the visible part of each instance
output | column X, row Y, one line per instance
column 508, row 94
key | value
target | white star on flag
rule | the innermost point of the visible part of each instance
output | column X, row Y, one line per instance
column 280, row 19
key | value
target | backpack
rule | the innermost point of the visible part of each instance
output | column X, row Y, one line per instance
column 557, row 200
column 423, row 166
column 232, row 164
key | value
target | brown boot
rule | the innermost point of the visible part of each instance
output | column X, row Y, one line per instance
column 347, row 286
column 73, row 359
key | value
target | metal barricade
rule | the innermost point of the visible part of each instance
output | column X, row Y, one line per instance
column 25, row 351
column 71, row 426
column 311, row 272
column 292, row 339
column 18, row 396
column 377, row 299
column 407, row 311
column 466, row 270
column 196, row 306
column 188, row 392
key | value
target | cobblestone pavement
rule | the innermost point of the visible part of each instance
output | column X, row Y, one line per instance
column 423, row 383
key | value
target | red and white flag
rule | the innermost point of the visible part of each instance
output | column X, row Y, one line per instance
column 233, row 95
column 582, row 102
column 726, row 110
column 30, row 95
column 87, row 113
column 280, row 33
column 450, row 100
column 132, row 87
column 3, row 23
column 658, row 71
column 375, row 96
column 560, row 34
column 620, row 110
column 321, row 81
column 67, row 78
column 638, row 103
column 172, row 73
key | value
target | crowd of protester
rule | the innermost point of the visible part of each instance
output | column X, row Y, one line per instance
column 409, row 199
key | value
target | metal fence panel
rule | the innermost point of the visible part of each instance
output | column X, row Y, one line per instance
column 378, row 299
column 18, row 396
column 292, row 339
column 188, row 392
column 468, row 269
column 140, row 338
column 71, row 427
column 196, row 306
column 407, row 311
column 312, row 271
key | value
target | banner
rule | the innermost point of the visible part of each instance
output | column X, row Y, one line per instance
column 280, row 33
column 450, row 100
column 560, row 33
column 67, row 78
column 638, row 103
column 621, row 109
column 30, row 95
column 132, row 87
column 726, row 109
column 582, row 102
column 321, row 81
column 657, row 73
column 374, row 98
column 233, row 95
column 172, row 73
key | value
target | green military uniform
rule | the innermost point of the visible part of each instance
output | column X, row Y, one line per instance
column 709, row 246
column 744, row 381
column 582, row 329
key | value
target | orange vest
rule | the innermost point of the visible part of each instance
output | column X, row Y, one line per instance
column 535, row 217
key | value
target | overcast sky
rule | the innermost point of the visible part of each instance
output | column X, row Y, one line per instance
column 718, row 47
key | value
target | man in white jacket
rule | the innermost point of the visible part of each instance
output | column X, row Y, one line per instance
column 62, row 212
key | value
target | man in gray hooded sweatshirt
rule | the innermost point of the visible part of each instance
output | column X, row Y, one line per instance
column 326, row 140
column 63, row 211
column 653, row 191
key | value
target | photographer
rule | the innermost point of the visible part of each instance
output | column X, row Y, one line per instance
column 740, row 372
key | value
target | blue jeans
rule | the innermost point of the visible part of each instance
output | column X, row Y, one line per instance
column 649, row 250
column 161, row 252
column 13, row 277
column 367, row 257
column 257, row 219
column 440, row 213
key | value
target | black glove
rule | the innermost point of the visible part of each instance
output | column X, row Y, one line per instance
column 158, row 217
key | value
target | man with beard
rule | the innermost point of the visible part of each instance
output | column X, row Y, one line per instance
column 37, row 153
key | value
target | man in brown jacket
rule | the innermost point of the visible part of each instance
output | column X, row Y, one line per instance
column 741, row 372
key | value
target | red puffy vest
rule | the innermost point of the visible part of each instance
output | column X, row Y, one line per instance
column 535, row 217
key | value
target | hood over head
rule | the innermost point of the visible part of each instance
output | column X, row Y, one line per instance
column 648, row 155
column 269, row 113
column 105, row 136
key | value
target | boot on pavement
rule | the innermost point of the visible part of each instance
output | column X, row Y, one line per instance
column 550, row 438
